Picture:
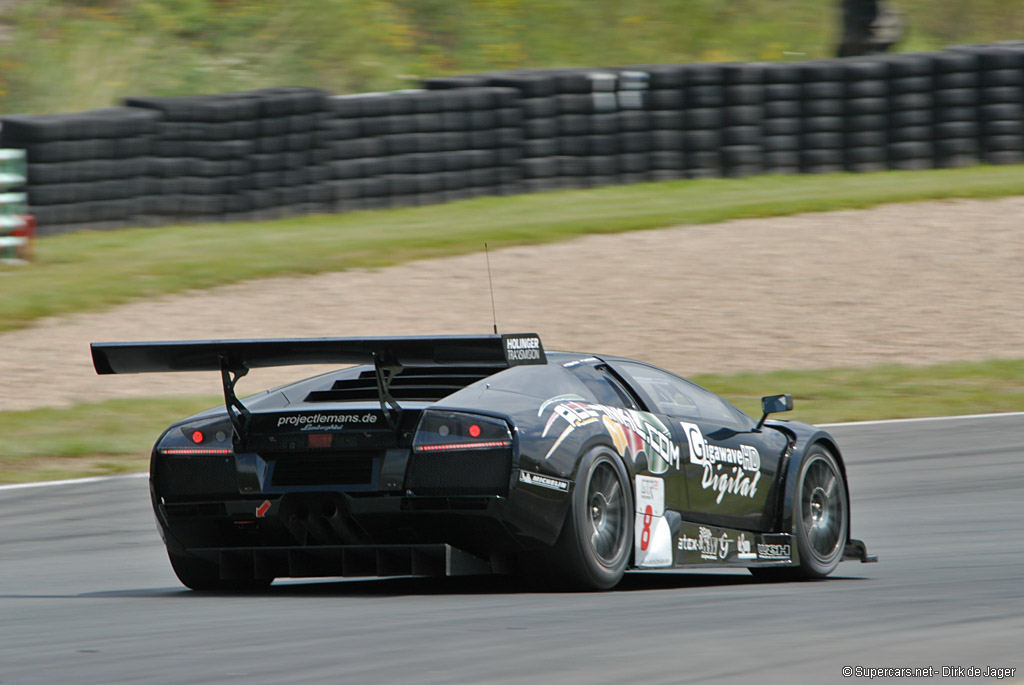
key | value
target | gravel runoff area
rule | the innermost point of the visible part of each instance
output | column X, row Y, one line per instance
column 917, row 283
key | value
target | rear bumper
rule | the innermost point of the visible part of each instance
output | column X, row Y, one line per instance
column 340, row 534
column 352, row 561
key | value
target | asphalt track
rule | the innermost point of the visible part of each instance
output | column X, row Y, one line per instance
column 87, row 596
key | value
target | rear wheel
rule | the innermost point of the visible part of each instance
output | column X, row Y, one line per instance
column 593, row 549
column 199, row 574
column 821, row 520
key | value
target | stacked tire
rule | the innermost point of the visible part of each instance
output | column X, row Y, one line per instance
column 742, row 112
column 421, row 147
column 539, row 164
column 780, row 127
column 666, row 104
column 866, row 115
column 822, row 94
column 588, row 146
column 955, row 98
column 254, row 154
column 634, row 124
column 703, row 100
column 84, row 170
column 911, row 108
column 1000, row 102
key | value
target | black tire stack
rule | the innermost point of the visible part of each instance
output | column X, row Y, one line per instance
column 84, row 170
column 911, row 111
column 702, row 119
column 742, row 112
column 955, row 100
column 666, row 104
column 249, row 155
column 540, row 159
column 1000, row 101
column 634, row 124
column 588, row 146
column 357, row 145
column 822, row 93
column 421, row 147
column 866, row 115
column 600, row 150
column 780, row 128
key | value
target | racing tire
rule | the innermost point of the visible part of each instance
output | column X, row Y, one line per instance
column 594, row 547
column 820, row 524
column 201, row 575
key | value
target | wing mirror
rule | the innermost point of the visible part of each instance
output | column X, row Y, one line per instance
column 773, row 404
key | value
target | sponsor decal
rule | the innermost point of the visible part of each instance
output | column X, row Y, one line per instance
column 320, row 421
column 773, row 552
column 634, row 433
column 523, row 349
column 652, row 535
column 744, row 549
column 727, row 470
column 711, row 547
column 548, row 482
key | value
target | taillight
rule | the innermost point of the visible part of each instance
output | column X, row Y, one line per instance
column 444, row 431
column 200, row 438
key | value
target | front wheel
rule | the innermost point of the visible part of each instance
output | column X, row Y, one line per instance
column 593, row 549
column 823, row 523
column 820, row 521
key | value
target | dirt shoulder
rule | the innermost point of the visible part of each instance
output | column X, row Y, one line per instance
column 917, row 283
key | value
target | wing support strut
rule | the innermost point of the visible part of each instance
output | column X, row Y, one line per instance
column 385, row 372
column 238, row 413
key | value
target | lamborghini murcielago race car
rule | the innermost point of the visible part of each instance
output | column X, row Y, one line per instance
column 480, row 454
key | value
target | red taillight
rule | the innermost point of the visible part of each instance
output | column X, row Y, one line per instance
column 464, row 446
column 320, row 440
column 474, row 431
column 195, row 451
column 197, row 437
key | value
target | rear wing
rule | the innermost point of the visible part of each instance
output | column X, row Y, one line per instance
column 234, row 358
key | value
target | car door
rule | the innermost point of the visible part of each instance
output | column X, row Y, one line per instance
column 729, row 468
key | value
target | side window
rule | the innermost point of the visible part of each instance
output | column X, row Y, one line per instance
column 677, row 396
column 603, row 386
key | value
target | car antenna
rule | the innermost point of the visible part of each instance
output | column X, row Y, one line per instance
column 490, row 283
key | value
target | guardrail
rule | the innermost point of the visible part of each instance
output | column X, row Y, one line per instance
column 275, row 152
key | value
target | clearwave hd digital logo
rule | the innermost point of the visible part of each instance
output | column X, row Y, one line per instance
column 727, row 470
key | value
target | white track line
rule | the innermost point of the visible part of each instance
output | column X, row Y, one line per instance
column 72, row 481
column 922, row 419
column 101, row 479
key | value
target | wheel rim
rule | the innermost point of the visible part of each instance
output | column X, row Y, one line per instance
column 824, row 509
column 607, row 513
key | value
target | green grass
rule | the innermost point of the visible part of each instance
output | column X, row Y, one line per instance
column 116, row 436
column 71, row 55
column 94, row 270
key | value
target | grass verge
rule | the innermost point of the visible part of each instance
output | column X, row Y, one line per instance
column 115, row 436
column 94, row 270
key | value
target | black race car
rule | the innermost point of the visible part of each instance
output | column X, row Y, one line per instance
column 480, row 454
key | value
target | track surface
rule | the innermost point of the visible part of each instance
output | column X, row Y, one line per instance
column 87, row 596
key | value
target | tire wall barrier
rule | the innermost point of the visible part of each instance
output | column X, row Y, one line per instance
column 285, row 151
